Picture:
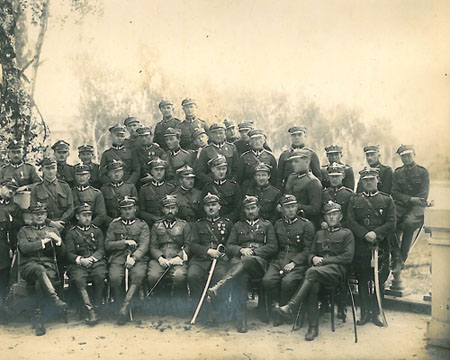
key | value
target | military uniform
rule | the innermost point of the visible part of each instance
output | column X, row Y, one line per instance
column 128, row 156
column 175, row 160
column 348, row 181
column 150, row 196
column 340, row 195
column 94, row 197
column 160, row 130
column 268, row 196
column 188, row 203
column 23, row 173
column 249, row 160
column 188, row 127
column 65, row 172
column 147, row 153
column 385, row 183
column 113, row 192
column 94, row 168
column 230, row 197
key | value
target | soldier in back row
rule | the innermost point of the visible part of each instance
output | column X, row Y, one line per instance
column 190, row 123
column 168, row 121
column 372, row 153
column 64, row 170
column 243, row 143
column 85, row 154
column 230, row 131
column 334, row 155
column 132, row 125
column 146, row 152
column 188, row 197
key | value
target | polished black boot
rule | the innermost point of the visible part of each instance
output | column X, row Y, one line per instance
column 288, row 309
column 123, row 312
column 242, row 320
column 38, row 323
column 91, row 318
column 365, row 317
column 47, row 287
column 213, row 292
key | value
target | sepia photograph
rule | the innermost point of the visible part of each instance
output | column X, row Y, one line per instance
column 224, row 179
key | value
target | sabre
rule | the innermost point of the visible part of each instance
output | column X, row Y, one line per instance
column 126, row 283
column 377, row 284
column 158, row 281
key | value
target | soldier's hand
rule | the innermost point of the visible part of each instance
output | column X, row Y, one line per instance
column 317, row 260
column 323, row 225
column 45, row 241
column 214, row 253
column 246, row 252
column 58, row 224
column 130, row 243
column 85, row 262
column 176, row 261
column 163, row 262
column 55, row 238
column 416, row 201
column 289, row 267
column 130, row 262
column 371, row 236
column 92, row 259
column 22, row 188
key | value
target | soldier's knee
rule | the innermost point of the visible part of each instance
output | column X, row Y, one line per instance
column 311, row 274
column 116, row 281
column 179, row 276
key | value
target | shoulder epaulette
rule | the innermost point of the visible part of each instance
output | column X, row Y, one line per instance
column 94, row 226
column 245, row 152
column 268, row 151
column 347, row 189
column 116, row 219
column 155, row 144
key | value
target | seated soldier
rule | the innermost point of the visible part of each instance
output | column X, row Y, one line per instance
column 252, row 243
column 331, row 254
column 151, row 193
column 39, row 244
column 287, row 270
column 116, row 189
column 208, row 235
column 188, row 198
column 170, row 240
column 85, row 252
column 268, row 194
column 127, row 244
column 85, row 154
column 334, row 156
column 227, row 190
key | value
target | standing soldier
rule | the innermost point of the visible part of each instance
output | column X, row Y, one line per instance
column 151, row 194
column 55, row 194
column 168, row 120
column 39, row 244
column 65, row 171
column 85, row 154
column 85, row 252
column 287, row 270
column 200, row 138
column 385, row 174
column 83, row 193
column 243, row 143
column 170, row 240
column 147, row 151
column 23, row 173
column 230, row 131
column 331, row 254
column 217, row 145
column 304, row 185
column 116, row 189
column 298, row 135
column 334, row 155
column 268, row 194
column 120, row 151
column 371, row 218
column 410, row 187
column 127, row 244
column 257, row 154
column 191, row 123
column 132, row 124
column 188, row 198
column 209, row 235
column 176, row 156
column 227, row 190
column 252, row 243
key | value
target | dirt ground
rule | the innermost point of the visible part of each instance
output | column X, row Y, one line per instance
column 171, row 338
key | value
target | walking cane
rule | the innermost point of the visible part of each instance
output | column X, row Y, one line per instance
column 377, row 283
column 158, row 281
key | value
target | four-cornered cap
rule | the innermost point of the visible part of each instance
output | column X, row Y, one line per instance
column 255, row 133
column 219, row 160
column 164, row 102
column 331, row 206
column 48, row 161
column 127, row 201
column 172, row 132
column 405, row 149
column 369, row 172
column 198, row 132
column 85, row 148
column 297, row 130
column 336, row 169
column 169, row 200
column 288, row 199
column 262, row 167
column 186, row 171
column 157, row 163
column 216, row 127
column 115, row 165
column 188, row 101
column 61, row 145
column 14, row 144
column 228, row 124
column 371, row 149
column 246, row 125
column 130, row 120
column 250, row 200
column 85, row 207
column 117, row 129
column 211, row 198
column 333, row 149
column 302, row 153
column 81, row 169
column 11, row 183
column 145, row 130
column 38, row 207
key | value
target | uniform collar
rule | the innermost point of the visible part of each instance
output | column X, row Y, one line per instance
column 128, row 222
column 54, row 182
column 117, row 185
column 293, row 148
column 262, row 188
column 300, row 175
column 84, row 228
column 4, row 201
column 39, row 227
column 169, row 224
column 410, row 166
column 252, row 222
column 220, row 182
column 82, row 187
column 118, row 147
column 370, row 194
column 334, row 228
column 167, row 118
column 184, row 189
column 290, row 222
column 175, row 152
column 257, row 152
column 218, row 145
column 158, row 183
column 16, row 166
column 213, row 220
column 191, row 119
column 336, row 188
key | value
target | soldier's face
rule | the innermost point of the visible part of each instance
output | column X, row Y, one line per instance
column 251, row 212
column 173, row 142
column 289, row 210
column 61, row 155
column 372, row 158
column 300, row 164
column 39, row 217
column 334, row 157
column 146, row 139
column 6, row 192
column 117, row 138
column 133, row 127
column 190, row 110
column 244, row 134
column 407, row 159
column 158, row 173
column 116, row 175
column 369, row 184
column 257, row 142
column 219, row 172
column 128, row 213
column 187, row 182
column 16, row 155
column 218, row 136
column 49, row 172
column 262, row 178
column 85, row 157
column 336, row 180
column 230, row 132
column 212, row 209
column 201, row 140
column 166, row 111
column 333, row 218
column 82, row 179
column 298, row 139
column 84, row 218
column 170, row 211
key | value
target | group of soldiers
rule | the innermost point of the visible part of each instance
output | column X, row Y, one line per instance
column 163, row 205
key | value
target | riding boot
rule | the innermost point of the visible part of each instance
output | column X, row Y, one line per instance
column 38, row 322
column 313, row 313
column 242, row 321
column 376, row 316
column 123, row 312
column 288, row 309
column 91, row 315
column 363, row 291
column 47, row 287
column 213, row 292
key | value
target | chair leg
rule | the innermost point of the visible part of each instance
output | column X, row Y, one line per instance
column 297, row 318
column 332, row 310
column 353, row 312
